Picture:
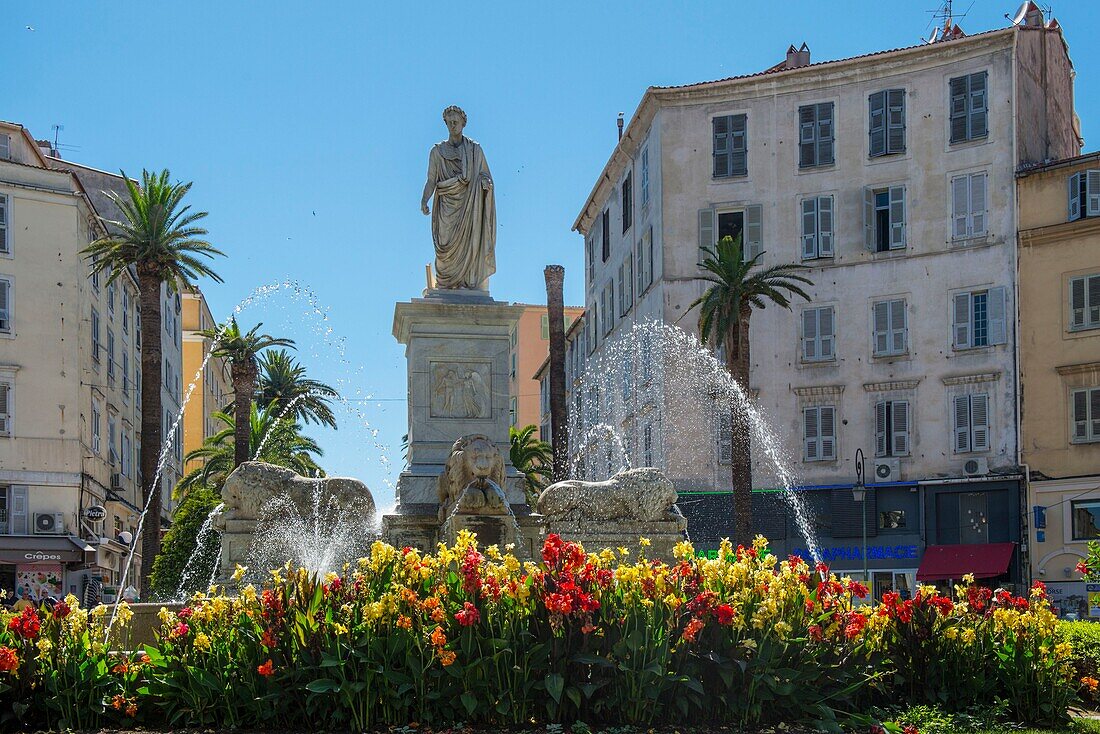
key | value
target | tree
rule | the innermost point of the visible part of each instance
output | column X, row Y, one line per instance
column 270, row 439
column 240, row 352
column 559, row 419
column 182, row 545
column 283, row 382
column 532, row 458
column 724, row 313
column 159, row 238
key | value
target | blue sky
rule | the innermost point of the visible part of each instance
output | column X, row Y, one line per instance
column 305, row 128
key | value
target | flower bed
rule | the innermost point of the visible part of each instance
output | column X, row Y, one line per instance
column 477, row 636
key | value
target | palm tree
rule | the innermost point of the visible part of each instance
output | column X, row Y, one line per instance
column 271, row 439
column 157, row 235
column 240, row 351
column 533, row 459
column 724, row 312
column 559, row 417
column 283, row 381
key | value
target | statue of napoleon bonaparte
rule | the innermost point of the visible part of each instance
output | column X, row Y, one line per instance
column 464, row 218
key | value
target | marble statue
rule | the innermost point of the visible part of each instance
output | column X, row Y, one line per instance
column 643, row 495
column 464, row 219
column 472, row 467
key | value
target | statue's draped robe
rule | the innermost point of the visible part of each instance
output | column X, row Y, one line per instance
column 464, row 218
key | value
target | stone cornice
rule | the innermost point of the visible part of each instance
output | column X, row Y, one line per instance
column 972, row 379
column 891, row 385
column 1060, row 232
column 818, row 391
column 1078, row 369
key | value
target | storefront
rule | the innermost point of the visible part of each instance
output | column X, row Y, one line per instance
column 37, row 567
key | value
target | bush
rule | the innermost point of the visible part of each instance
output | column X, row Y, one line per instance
column 1084, row 642
column 180, row 547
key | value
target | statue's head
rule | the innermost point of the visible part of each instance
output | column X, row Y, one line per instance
column 455, row 119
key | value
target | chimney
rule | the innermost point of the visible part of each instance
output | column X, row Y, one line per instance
column 797, row 57
column 47, row 148
column 619, row 123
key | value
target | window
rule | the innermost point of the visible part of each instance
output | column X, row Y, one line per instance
column 6, row 400
column 818, row 334
column 971, row 420
column 626, row 285
column 1086, row 519
column 5, row 306
column 13, row 510
column 5, row 147
column 884, row 218
column 125, row 458
column 1084, row 195
column 544, row 327
column 819, row 432
column 110, row 354
column 891, row 520
column 746, row 223
column 95, row 335
column 5, row 241
column 969, row 108
column 1084, row 302
column 968, row 206
column 887, row 124
column 978, row 318
column 817, row 227
column 724, row 437
column 112, row 451
column 889, row 325
column 512, row 412
column 644, row 261
column 730, row 152
column 544, row 394
column 626, row 379
column 815, row 135
column 607, row 306
column 1086, row 415
column 645, row 176
column 97, row 420
column 125, row 313
column 111, row 298
column 125, row 373
column 511, row 374
column 647, row 445
column 606, row 234
column 628, row 202
column 95, row 278
column 892, row 428
column 590, row 254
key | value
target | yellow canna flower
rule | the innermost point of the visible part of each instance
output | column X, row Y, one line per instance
column 239, row 572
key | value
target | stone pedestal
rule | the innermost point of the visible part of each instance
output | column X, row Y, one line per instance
column 663, row 535
column 457, row 344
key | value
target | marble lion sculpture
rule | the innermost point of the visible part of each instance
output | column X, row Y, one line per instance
column 474, row 460
column 642, row 495
column 248, row 490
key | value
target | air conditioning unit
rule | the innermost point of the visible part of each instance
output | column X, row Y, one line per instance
column 887, row 470
column 49, row 523
column 116, row 481
column 976, row 467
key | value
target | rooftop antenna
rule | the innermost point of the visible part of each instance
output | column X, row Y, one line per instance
column 57, row 128
column 944, row 18
column 619, row 122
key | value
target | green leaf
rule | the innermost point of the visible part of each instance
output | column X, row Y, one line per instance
column 469, row 703
column 555, row 683
column 323, row 685
column 574, row 695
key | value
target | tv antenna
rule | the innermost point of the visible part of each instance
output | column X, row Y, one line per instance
column 943, row 18
column 57, row 128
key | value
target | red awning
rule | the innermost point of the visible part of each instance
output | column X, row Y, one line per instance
column 984, row 560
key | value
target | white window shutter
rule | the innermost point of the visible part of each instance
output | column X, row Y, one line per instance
column 706, row 232
column 869, row 218
column 827, row 431
column 880, row 429
column 897, row 326
column 809, row 334
column 809, row 228
column 754, row 231
column 825, row 331
column 960, row 320
column 825, row 226
column 1075, row 196
column 811, row 434
column 962, row 423
column 1077, row 302
column 979, row 419
column 900, row 427
column 960, row 199
column 1092, row 191
column 881, row 327
column 1080, row 415
column 978, row 205
column 998, row 323
column 897, row 217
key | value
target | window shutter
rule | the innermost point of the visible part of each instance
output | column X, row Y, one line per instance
column 960, row 320
column 5, row 305
column 1092, row 315
column 824, row 133
column 825, row 331
column 649, row 257
column 977, row 203
column 807, row 131
column 895, row 121
column 19, row 510
column 628, row 284
column 881, row 327
column 1094, row 413
column 979, row 419
column 606, row 244
column 825, row 226
column 811, row 434
column 897, row 217
column 1077, row 302
column 809, row 228
column 897, row 326
column 5, row 246
column 809, row 334
column 754, row 231
column 869, row 218
column 958, row 88
column 962, row 423
column 706, row 232
column 979, row 116
column 622, row 289
column 739, row 163
column 5, row 409
column 639, row 257
column 721, row 154
column 1092, row 191
column 900, row 427
column 877, row 123
column 827, row 431
column 1075, row 196
column 998, row 324
column 880, row 429
column 960, row 206
column 1080, row 415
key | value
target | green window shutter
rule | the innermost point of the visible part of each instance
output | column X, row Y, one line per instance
column 720, row 127
column 895, row 121
column 897, row 217
column 738, row 145
column 877, row 123
column 998, row 322
column 807, row 136
column 754, row 231
column 978, row 121
column 824, row 133
column 959, row 91
column 706, row 232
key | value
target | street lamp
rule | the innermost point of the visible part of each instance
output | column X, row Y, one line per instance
column 859, row 494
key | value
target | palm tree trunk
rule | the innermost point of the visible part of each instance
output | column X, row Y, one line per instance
column 149, row 284
column 244, row 387
column 737, row 361
column 555, row 313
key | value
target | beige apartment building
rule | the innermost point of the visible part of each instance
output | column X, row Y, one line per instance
column 212, row 391
column 70, row 379
column 530, row 347
column 1059, row 274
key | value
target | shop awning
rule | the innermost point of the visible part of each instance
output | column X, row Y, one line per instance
column 26, row 549
column 984, row 560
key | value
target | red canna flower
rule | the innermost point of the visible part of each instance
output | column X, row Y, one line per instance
column 180, row 630
column 469, row 616
column 692, row 628
column 185, row 613
column 61, row 610
column 9, row 659
column 266, row 669
column 269, row 640
column 724, row 613
column 815, row 633
column 27, row 624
